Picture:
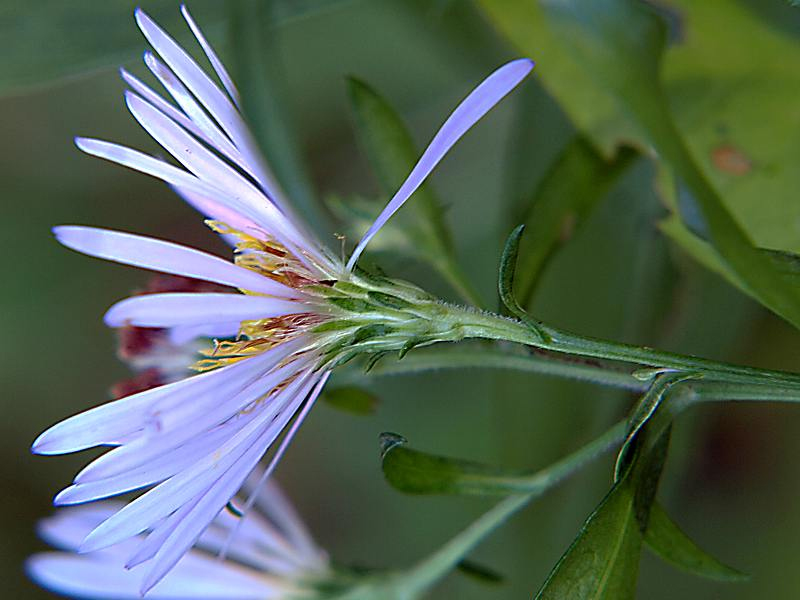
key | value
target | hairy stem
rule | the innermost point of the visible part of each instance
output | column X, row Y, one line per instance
column 494, row 357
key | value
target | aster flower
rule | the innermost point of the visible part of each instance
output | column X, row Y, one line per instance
column 273, row 557
column 291, row 311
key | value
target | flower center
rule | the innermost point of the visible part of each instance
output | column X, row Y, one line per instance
column 269, row 258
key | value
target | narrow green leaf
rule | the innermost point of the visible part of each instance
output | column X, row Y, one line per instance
column 603, row 561
column 351, row 399
column 258, row 72
column 505, row 282
column 392, row 154
column 415, row 472
column 666, row 539
column 647, row 469
column 757, row 83
column 576, row 182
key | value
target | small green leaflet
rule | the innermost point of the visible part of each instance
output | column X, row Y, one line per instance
column 505, row 281
column 415, row 472
column 669, row 542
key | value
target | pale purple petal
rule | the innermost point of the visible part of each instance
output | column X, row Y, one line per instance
column 173, row 309
column 162, row 500
column 208, row 167
column 168, row 109
column 202, row 125
column 172, row 449
column 220, row 212
column 159, row 534
column 197, row 577
column 274, row 504
column 189, row 414
column 471, row 109
column 258, row 544
column 219, row 68
column 207, row 92
column 67, row 528
column 278, row 454
column 108, row 423
column 186, row 333
column 167, row 257
column 172, row 175
column 152, row 472
column 218, row 495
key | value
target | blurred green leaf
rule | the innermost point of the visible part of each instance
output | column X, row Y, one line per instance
column 667, row 540
column 576, row 182
column 740, row 114
column 415, row 472
column 392, row 153
column 785, row 263
column 591, row 106
column 619, row 44
column 355, row 400
column 257, row 70
column 49, row 40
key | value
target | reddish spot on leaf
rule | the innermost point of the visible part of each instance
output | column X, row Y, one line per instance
column 731, row 160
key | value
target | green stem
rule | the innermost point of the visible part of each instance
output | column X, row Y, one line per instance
column 714, row 391
column 492, row 326
column 432, row 568
column 493, row 357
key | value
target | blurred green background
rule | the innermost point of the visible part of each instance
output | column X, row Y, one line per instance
column 731, row 480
